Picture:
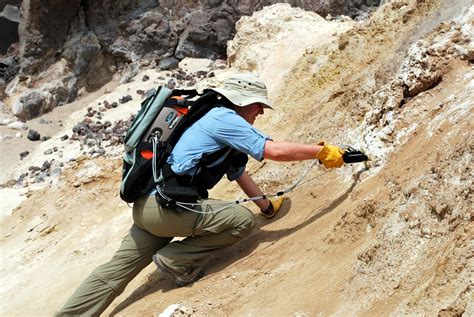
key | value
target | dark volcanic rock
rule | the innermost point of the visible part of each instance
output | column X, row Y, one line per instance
column 24, row 154
column 168, row 63
column 33, row 103
column 125, row 99
column 43, row 31
column 94, row 39
column 121, row 29
column 33, row 135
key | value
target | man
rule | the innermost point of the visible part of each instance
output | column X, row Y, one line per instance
column 226, row 130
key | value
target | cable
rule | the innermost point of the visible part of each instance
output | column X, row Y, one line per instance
column 183, row 204
column 227, row 204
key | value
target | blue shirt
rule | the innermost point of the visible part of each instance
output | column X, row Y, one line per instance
column 218, row 128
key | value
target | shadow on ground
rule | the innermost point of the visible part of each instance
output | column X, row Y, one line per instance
column 157, row 281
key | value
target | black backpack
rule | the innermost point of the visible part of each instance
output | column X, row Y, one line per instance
column 164, row 116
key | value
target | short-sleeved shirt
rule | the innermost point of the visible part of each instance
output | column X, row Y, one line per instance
column 218, row 128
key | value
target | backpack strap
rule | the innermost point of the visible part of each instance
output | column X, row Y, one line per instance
column 190, row 93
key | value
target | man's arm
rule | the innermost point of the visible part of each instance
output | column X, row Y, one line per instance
column 289, row 151
column 251, row 190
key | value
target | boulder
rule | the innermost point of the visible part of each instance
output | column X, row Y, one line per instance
column 32, row 104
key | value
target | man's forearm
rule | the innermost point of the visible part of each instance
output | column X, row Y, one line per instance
column 251, row 190
column 289, row 151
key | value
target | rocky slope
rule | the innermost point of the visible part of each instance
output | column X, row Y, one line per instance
column 83, row 44
column 390, row 238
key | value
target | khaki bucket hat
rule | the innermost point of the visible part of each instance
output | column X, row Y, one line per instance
column 244, row 89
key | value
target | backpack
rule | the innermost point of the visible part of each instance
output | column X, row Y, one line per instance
column 164, row 116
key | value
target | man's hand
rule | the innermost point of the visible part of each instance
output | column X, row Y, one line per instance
column 272, row 209
column 330, row 156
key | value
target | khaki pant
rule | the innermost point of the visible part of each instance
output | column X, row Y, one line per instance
column 153, row 229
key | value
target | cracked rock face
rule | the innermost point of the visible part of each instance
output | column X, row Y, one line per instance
column 128, row 31
column 92, row 40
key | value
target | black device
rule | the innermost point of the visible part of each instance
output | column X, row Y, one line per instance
column 352, row 155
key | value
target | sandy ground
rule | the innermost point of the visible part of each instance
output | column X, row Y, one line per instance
column 394, row 239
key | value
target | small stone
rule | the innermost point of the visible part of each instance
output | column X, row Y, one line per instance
column 40, row 178
column 18, row 125
column 10, row 183
column 48, row 152
column 145, row 78
column 19, row 135
column 125, row 99
column 24, row 154
column 114, row 104
column 46, row 166
column 220, row 64
column 168, row 63
column 33, row 135
column 171, row 84
column 91, row 143
column 33, row 168
column 45, row 138
column 200, row 73
column 64, row 137
column 44, row 121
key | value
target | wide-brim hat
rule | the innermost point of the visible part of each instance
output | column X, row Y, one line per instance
column 244, row 89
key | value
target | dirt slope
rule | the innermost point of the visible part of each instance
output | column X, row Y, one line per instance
column 392, row 238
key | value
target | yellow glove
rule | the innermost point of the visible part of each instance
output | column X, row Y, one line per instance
column 330, row 155
column 275, row 205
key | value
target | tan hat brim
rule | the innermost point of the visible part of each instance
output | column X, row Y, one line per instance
column 242, row 100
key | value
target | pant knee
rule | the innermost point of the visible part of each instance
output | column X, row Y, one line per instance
column 246, row 222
